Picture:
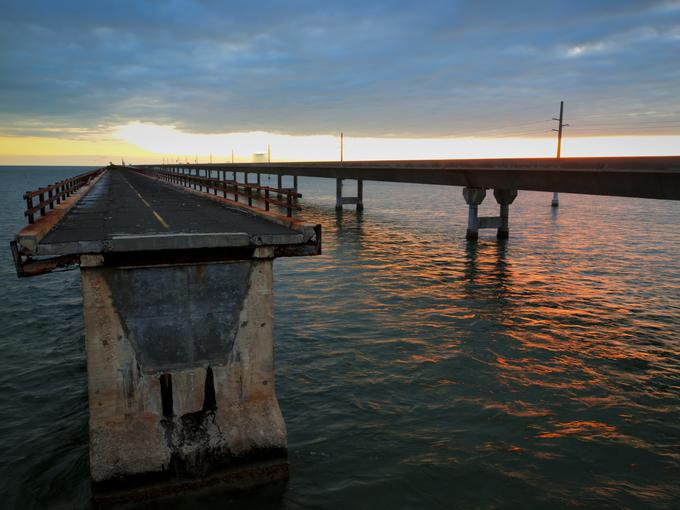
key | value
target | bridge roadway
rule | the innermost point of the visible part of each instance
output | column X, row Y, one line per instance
column 125, row 217
column 126, row 208
column 642, row 177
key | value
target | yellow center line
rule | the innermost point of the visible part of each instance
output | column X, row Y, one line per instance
column 160, row 220
column 156, row 215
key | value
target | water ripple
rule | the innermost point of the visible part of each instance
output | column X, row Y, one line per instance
column 414, row 369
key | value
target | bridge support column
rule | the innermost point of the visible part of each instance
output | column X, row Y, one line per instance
column 473, row 197
column 340, row 200
column 360, row 194
column 555, row 200
column 181, row 376
column 338, row 194
column 504, row 197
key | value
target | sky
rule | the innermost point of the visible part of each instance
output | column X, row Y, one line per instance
column 85, row 82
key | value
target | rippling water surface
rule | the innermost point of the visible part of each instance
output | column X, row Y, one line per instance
column 414, row 369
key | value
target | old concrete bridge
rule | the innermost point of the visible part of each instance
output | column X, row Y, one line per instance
column 176, row 269
column 178, row 314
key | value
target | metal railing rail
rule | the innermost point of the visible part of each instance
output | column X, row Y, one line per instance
column 252, row 193
column 53, row 194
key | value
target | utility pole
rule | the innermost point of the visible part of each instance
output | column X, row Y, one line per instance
column 342, row 147
column 211, row 157
column 232, row 156
column 269, row 153
column 556, row 200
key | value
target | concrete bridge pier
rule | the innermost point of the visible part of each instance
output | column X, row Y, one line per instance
column 555, row 202
column 340, row 200
column 279, row 183
column 181, row 376
column 474, row 197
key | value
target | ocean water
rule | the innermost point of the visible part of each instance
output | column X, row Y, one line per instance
column 414, row 369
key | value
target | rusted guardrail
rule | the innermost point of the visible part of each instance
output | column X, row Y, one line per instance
column 239, row 190
column 53, row 194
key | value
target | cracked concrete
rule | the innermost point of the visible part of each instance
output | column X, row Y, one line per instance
column 208, row 330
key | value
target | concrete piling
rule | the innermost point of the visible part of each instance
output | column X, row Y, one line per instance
column 473, row 197
column 504, row 197
column 338, row 194
column 360, row 194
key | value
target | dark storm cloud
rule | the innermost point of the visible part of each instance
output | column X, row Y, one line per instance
column 390, row 67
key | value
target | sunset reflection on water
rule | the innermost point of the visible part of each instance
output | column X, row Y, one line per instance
column 526, row 363
column 415, row 369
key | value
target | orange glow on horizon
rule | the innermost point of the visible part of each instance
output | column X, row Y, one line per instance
column 147, row 142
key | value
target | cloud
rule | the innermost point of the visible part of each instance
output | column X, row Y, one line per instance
column 301, row 67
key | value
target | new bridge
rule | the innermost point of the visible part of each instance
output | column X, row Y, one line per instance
column 643, row 177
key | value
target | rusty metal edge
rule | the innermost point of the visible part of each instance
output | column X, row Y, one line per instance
column 16, row 256
column 31, row 267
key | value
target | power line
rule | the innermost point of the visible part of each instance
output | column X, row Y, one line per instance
column 501, row 128
column 626, row 128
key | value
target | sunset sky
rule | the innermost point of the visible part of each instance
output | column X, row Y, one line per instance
column 85, row 82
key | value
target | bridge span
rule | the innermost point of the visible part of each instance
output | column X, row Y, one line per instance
column 641, row 177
